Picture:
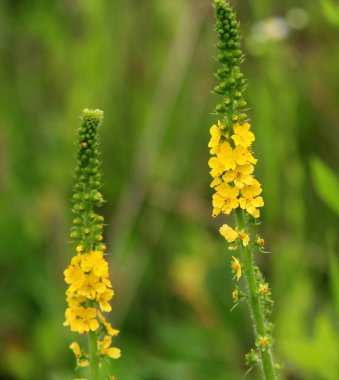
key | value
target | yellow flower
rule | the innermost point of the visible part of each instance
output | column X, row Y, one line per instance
column 231, row 235
column 236, row 267
column 260, row 241
column 74, row 276
column 215, row 139
column 242, row 135
column 263, row 288
column 241, row 175
column 106, row 350
column 225, row 199
column 107, row 325
column 235, row 295
column 244, row 238
column 91, row 287
column 95, row 262
column 76, row 349
column 217, row 166
column 114, row 352
column 249, row 200
column 228, row 233
column 263, row 342
column 242, row 156
column 226, row 156
column 85, row 320
column 104, row 298
column 216, row 181
column 79, row 248
column 82, row 362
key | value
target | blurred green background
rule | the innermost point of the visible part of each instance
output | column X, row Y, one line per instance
column 148, row 64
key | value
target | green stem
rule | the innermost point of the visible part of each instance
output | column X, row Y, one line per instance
column 93, row 351
column 256, row 310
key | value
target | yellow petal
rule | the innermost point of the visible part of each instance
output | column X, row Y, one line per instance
column 113, row 353
column 228, row 233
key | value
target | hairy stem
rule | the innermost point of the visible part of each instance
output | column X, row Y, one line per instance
column 93, row 350
column 254, row 304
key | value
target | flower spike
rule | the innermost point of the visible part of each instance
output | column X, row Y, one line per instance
column 90, row 290
column 236, row 189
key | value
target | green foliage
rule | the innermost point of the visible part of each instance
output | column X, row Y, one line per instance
column 326, row 183
column 331, row 11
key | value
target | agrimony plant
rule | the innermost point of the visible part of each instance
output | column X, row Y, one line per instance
column 236, row 190
column 90, row 289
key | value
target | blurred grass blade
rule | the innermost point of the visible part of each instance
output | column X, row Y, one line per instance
column 331, row 11
column 326, row 183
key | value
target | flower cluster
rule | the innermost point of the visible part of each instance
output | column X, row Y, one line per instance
column 232, row 167
column 87, row 275
column 89, row 285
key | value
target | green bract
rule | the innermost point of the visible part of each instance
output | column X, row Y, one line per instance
column 231, row 82
column 87, row 225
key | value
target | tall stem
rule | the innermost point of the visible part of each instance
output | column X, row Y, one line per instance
column 93, row 349
column 254, row 304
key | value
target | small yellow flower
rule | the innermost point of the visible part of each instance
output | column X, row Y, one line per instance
column 226, row 156
column 263, row 288
column 82, row 362
column 242, row 135
column 250, row 200
column 76, row 349
column 243, row 155
column 241, row 175
column 107, row 325
column 91, row 287
column 263, row 342
column 95, row 262
column 232, row 235
column 106, row 350
column 215, row 139
column 216, row 181
column 225, row 199
column 79, row 248
column 236, row 267
column 217, row 167
column 104, row 298
column 228, row 233
column 85, row 320
column 235, row 295
column 74, row 276
column 260, row 242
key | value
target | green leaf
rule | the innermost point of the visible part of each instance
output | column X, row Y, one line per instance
column 326, row 183
column 331, row 11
